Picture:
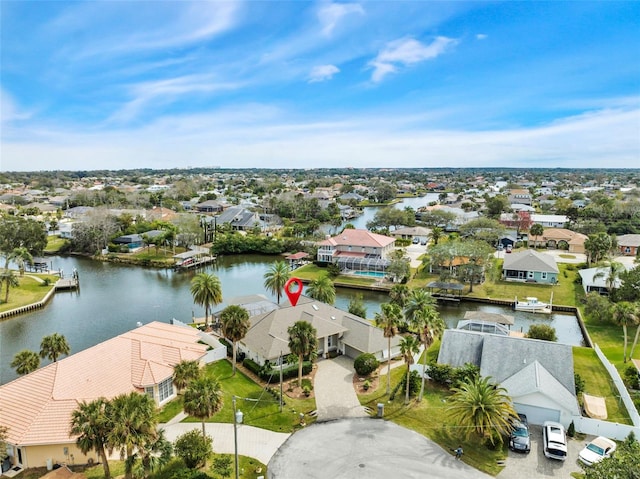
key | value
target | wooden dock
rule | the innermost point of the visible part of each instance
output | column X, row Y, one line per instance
column 194, row 263
column 67, row 284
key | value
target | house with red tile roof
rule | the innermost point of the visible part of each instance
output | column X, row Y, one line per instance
column 36, row 408
column 357, row 250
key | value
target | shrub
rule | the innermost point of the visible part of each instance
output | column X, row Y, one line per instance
column 222, row 466
column 365, row 364
column 542, row 331
column 571, row 430
column 441, row 373
column 193, row 449
column 579, row 384
column 414, row 385
column 467, row 372
column 306, row 383
column 631, row 377
column 228, row 345
column 366, row 385
column 306, row 390
column 272, row 375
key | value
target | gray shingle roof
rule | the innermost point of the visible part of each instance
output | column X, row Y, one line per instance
column 530, row 260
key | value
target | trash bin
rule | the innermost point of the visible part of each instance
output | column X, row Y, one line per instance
column 49, row 464
column 380, row 409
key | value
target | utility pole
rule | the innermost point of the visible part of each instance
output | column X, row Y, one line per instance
column 281, row 381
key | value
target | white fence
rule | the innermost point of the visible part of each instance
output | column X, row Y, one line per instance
column 622, row 390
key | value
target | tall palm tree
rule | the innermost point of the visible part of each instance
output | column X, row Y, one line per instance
column 436, row 234
column 25, row 362
column 399, row 294
column 133, row 421
column 636, row 321
column 323, row 290
column 91, row 423
column 184, row 372
column 19, row 255
column 625, row 313
column 202, row 399
column 207, row 292
column 235, row 325
column 53, row 346
column 611, row 277
column 479, row 406
column 422, row 315
column 154, row 454
column 277, row 276
column 409, row 346
column 10, row 280
column 302, row 342
column 388, row 320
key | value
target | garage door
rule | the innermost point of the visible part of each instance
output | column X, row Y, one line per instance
column 537, row 415
column 351, row 352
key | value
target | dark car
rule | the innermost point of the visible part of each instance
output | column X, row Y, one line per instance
column 519, row 439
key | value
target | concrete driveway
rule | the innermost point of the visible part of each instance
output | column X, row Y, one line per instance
column 333, row 387
column 414, row 251
column 365, row 448
column 536, row 465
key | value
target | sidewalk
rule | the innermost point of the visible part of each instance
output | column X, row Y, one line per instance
column 255, row 442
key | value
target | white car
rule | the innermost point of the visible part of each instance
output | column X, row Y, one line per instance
column 597, row 450
column 554, row 440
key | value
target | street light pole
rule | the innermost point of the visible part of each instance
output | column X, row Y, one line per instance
column 235, row 436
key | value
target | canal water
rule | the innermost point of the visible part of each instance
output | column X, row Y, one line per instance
column 113, row 298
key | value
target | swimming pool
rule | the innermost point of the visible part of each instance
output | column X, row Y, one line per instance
column 372, row 274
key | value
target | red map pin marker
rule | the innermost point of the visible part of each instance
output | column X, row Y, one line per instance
column 293, row 295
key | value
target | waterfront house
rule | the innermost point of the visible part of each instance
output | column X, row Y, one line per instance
column 36, row 408
column 338, row 332
column 538, row 375
column 560, row 238
column 531, row 267
column 357, row 250
column 597, row 279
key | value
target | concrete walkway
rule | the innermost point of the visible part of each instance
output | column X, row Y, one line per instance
column 333, row 387
column 255, row 442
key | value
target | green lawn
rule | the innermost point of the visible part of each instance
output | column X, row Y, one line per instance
column 599, row 383
column 30, row 291
column 261, row 410
column 428, row 418
column 54, row 244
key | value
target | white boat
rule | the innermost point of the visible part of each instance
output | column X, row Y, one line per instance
column 532, row 305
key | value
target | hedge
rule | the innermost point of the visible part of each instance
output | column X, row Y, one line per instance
column 272, row 375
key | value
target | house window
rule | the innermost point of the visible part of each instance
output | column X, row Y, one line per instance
column 627, row 249
column 165, row 389
column 543, row 275
column 149, row 392
column 530, row 275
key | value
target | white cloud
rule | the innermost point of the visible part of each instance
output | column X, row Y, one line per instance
column 322, row 73
column 260, row 135
column 166, row 92
column 9, row 111
column 329, row 15
column 406, row 51
column 481, row 36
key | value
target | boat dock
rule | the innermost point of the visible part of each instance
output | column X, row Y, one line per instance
column 67, row 284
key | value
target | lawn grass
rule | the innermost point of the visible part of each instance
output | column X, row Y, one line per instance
column 261, row 409
column 54, row 244
column 598, row 383
column 428, row 418
column 28, row 292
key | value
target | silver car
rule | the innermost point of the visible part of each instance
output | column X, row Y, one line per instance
column 554, row 439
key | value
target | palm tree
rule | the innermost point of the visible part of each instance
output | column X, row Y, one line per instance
column 302, row 342
column 637, row 322
column 535, row 231
column 388, row 319
column 207, row 292
column 53, row 346
column 423, row 317
column 479, row 406
column 277, row 277
column 322, row 289
column 612, row 277
column 436, row 234
column 625, row 313
column 235, row 325
column 91, row 423
column 133, row 421
column 10, row 280
column 399, row 294
column 202, row 399
column 25, row 362
column 154, row 454
column 21, row 256
column 184, row 372
column 409, row 346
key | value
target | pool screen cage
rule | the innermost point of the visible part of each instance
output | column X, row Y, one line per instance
column 363, row 264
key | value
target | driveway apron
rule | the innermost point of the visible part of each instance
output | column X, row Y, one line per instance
column 333, row 387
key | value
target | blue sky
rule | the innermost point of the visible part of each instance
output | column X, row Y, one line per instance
column 110, row 85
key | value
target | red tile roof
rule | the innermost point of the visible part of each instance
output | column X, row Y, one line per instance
column 354, row 237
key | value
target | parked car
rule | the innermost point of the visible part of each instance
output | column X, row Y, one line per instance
column 416, row 240
column 509, row 248
column 519, row 439
column 597, row 450
column 554, row 440
column 423, row 241
column 500, row 246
